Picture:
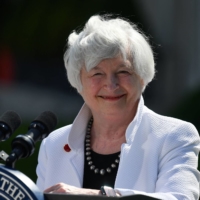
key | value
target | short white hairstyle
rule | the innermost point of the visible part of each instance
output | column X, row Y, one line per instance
column 104, row 37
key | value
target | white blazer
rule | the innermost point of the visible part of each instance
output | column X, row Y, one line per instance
column 159, row 158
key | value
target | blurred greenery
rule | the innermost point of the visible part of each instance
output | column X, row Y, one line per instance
column 40, row 28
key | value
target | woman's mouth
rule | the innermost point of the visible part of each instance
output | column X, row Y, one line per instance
column 112, row 98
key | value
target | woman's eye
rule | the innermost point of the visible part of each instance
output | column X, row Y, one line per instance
column 97, row 74
column 123, row 72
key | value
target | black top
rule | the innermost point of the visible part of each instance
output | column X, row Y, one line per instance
column 95, row 181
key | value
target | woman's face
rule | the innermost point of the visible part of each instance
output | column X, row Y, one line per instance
column 111, row 88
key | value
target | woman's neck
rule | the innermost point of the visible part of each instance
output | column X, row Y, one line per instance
column 108, row 133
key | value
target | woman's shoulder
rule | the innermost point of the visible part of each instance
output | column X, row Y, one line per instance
column 169, row 125
column 53, row 144
column 59, row 134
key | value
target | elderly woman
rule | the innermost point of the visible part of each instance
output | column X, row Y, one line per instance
column 116, row 143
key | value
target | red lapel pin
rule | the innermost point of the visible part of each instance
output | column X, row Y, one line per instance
column 67, row 148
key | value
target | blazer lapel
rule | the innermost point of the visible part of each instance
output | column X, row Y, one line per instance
column 78, row 165
column 76, row 142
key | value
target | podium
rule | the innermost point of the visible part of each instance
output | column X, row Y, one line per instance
column 14, row 185
column 85, row 197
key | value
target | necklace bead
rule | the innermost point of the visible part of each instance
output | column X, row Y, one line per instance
column 88, row 158
column 88, row 154
column 92, row 167
column 108, row 170
column 113, row 165
column 90, row 163
column 102, row 171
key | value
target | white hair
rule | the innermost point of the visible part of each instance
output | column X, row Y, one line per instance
column 103, row 38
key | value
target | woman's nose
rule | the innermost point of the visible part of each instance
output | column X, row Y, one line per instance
column 111, row 82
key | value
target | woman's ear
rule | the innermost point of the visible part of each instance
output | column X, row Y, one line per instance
column 143, row 85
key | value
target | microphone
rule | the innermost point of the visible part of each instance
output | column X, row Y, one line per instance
column 9, row 122
column 23, row 146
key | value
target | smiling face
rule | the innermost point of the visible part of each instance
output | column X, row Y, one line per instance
column 111, row 88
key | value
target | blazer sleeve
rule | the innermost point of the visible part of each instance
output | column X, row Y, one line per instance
column 178, row 177
column 41, row 167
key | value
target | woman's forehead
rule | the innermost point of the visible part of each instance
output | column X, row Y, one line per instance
column 113, row 62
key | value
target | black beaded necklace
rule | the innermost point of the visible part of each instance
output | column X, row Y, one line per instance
column 88, row 154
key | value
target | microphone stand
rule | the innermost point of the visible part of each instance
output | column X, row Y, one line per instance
column 23, row 146
column 3, row 155
column 9, row 159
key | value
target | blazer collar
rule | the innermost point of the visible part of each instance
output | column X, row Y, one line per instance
column 134, row 125
column 77, row 134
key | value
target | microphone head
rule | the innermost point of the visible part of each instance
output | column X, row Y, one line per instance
column 11, row 119
column 49, row 119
